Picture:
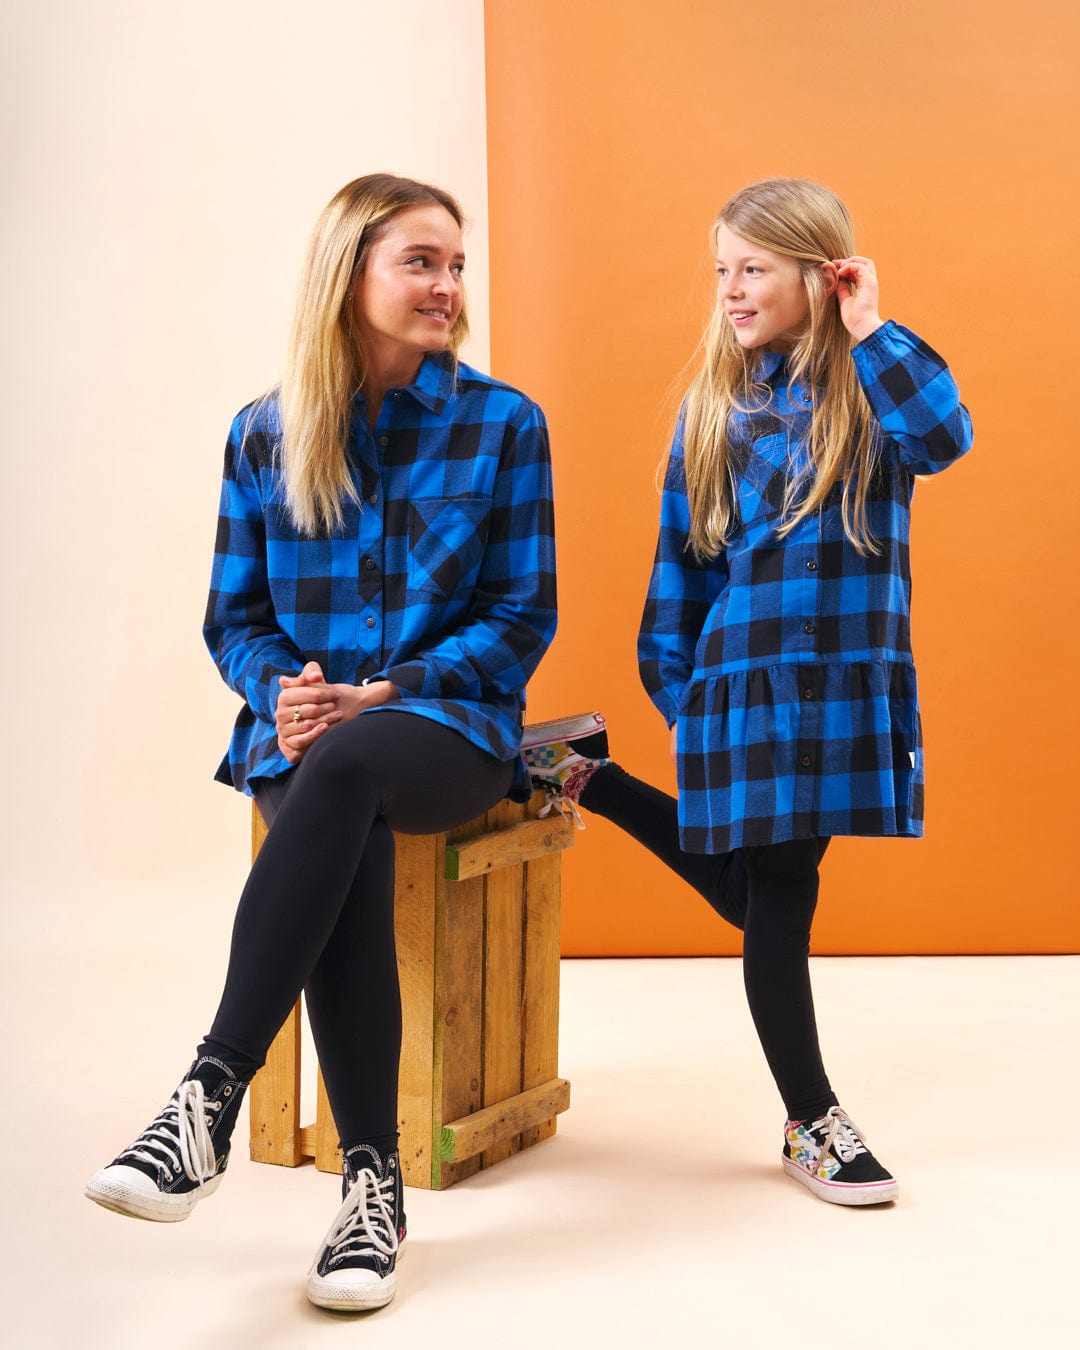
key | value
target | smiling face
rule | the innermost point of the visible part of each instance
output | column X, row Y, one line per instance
column 409, row 295
column 761, row 292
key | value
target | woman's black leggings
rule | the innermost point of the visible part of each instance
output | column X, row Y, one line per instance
column 317, row 913
column 771, row 894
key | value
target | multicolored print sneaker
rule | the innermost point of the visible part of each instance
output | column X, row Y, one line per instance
column 830, row 1158
column 562, row 756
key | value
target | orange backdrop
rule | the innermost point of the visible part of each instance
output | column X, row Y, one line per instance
column 615, row 132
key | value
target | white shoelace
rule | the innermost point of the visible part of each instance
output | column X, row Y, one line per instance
column 179, row 1137
column 843, row 1133
column 566, row 808
column 365, row 1220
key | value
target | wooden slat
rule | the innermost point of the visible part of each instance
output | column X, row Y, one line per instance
column 417, row 862
column 482, row 1130
column 258, row 831
column 459, row 1004
column 505, row 847
column 540, row 1050
column 274, row 1099
column 327, row 1153
column 504, row 980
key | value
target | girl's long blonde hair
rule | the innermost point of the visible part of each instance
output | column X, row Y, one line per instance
column 809, row 223
column 324, row 363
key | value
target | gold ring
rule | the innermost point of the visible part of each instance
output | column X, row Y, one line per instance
column 296, row 713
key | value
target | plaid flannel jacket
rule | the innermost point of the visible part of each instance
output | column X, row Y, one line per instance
column 441, row 578
column 787, row 663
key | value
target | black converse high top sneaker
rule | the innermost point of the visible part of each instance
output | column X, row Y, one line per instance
column 354, row 1268
column 180, row 1157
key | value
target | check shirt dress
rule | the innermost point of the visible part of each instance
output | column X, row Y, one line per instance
column 787, row 663
column 441, row 578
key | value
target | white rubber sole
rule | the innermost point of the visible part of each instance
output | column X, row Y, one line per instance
column 843, row 1193
column 125, row 1190
column 340, row 1294
column 581, row 724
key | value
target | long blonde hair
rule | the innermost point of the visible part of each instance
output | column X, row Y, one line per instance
column 809, row 223
column 324, row 363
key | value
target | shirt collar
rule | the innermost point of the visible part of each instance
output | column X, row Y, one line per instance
column 768, row 364
column 434, row 381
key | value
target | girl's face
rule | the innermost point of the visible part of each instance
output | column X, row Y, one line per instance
column 761, row 292
column 409, row 294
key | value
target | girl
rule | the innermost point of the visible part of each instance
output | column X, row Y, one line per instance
column 383, row 586
column 775, row 640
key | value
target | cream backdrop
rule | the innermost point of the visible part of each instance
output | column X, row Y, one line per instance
column 165, row 166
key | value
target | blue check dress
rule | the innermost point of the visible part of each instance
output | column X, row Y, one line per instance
column 787, row 663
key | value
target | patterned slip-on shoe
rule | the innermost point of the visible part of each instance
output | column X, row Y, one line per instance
column 180, row 1157
column 830, row 1158
column 562, row 756
column 355, row 1268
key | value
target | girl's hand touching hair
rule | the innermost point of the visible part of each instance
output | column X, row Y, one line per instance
column 856, row 285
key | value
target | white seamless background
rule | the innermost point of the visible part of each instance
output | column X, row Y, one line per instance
column 165, row 167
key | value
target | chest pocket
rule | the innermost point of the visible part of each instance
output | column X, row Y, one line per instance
column 447, row 539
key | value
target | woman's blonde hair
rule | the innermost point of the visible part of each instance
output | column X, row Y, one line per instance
column 324, row 363
column 809, row 223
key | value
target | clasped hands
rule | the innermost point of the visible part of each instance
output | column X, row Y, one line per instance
column 308, row 707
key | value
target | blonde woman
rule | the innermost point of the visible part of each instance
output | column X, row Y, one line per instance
column 383, row 586
column 775, row 640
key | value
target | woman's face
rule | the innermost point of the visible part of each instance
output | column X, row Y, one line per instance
column 409, row 294
column 761, row 292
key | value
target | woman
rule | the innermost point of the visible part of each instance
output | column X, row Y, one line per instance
column 385, row 546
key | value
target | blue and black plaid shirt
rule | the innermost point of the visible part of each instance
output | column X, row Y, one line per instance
column 441, row 579
column 787, row 663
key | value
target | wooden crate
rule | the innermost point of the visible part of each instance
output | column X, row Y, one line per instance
column 477, row 925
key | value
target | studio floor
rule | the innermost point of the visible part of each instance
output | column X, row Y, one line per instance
column 658, row 1215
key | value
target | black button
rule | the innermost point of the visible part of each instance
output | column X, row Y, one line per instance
column 808, row 628
column 370, row 623
column 369, row 563
column 805, row 761
column 808, row 693
column 811, row 566
column 374, row 499
column 384, row 440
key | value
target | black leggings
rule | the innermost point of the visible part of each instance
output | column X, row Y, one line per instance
column 317, row 912
column 771, row 894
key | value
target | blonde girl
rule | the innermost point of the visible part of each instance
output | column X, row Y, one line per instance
column 775, row 640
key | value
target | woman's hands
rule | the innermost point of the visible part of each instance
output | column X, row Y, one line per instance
column 857, row 292
column 308, row 707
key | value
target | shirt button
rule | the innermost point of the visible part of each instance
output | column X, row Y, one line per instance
column 384, row 440
column 806, row 693
column 811, row 566
column 370, row 623
column 805, row 761
column 808, row 628
column 369, row 563
column 374, row 499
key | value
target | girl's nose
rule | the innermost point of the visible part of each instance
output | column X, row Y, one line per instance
column 730, row 289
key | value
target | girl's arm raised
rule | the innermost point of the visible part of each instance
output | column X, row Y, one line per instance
column 681, row 593
column 925, row 427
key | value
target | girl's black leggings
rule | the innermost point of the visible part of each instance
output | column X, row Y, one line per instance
column 771, row 894
column 317, row 913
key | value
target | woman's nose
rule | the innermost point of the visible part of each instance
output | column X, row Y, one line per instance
column 446, row 282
